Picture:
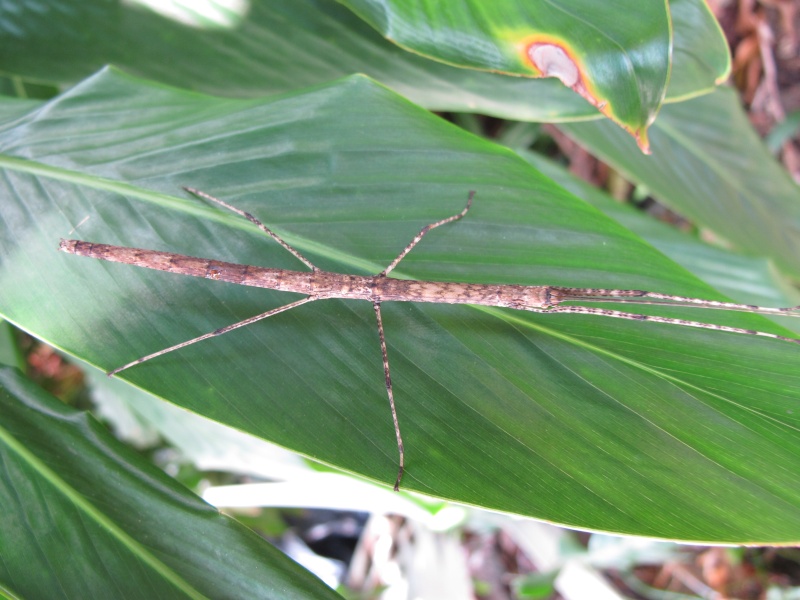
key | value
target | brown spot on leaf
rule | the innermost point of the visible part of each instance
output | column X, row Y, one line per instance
column 553, row 61
column 551, row 58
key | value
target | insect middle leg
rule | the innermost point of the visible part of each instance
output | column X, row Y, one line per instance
column 381, row 336
column 388, row 377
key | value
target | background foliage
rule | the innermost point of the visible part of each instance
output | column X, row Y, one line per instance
column 623, row 427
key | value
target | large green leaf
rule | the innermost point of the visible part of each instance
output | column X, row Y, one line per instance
column 86, row 517
column 279, row 46
column 615, row 425
column 617, row 58
column 709, row 165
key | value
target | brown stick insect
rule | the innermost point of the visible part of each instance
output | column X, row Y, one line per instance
column 317, row 284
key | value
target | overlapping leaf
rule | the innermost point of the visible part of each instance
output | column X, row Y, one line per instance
column 279, row 46
column 85, row 517
column 700, row 56
column 745, row 279
column 621, row 426
column 617, row 58
column 711, row 167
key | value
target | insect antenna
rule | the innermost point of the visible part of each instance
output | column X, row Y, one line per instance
column 657, row 299
column 616, row 314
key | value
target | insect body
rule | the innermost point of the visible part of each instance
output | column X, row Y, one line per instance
column 317, row 284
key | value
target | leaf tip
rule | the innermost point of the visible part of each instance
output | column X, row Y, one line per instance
column 640, row 135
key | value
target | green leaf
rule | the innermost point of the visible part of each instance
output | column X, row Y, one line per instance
column 701, row 59
column 84, row 515
column 280, row 46
column 622, row 426
column 783, row 132
column 618, row 59
column 10, row 354
column 700, row 168
column 745, row 279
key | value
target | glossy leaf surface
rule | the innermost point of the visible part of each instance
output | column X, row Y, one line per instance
column 618, row 59
column 85, row 516
column 622, row 426
column 276, row 46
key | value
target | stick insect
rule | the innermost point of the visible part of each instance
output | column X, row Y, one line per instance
column 316, row 284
